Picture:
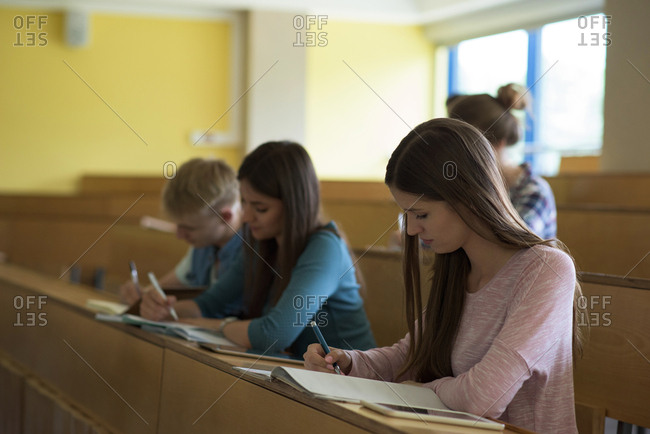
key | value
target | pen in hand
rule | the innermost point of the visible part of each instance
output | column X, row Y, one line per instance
column 134, row 277
column 323, row 344
column 156, row 285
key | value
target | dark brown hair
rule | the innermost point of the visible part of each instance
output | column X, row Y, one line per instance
column 492, row 116
column 449, row 160
column 282, row 170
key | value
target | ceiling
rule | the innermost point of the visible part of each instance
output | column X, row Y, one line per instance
column 385, row 11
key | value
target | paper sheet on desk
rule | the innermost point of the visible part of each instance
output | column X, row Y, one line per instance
column 185, row 331
column 105, row 306
column 259, row 373
column 353, row 389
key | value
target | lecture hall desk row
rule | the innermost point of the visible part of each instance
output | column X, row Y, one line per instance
column 123, row 379
column 603, row 219
column 625, row 189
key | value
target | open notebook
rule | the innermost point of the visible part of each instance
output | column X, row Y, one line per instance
column 186, row 331
column 352, row 389
column 413, row 402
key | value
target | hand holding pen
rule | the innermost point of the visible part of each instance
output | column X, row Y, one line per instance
column 156, row 285
column 130, row 292
column 134, row 278
column 314, row 360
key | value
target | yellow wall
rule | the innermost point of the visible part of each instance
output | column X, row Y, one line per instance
column 350, row 132
column 164, row 77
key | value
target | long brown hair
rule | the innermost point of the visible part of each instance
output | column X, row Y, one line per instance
column 282, row 170
column 449, row 160
column 492, row 115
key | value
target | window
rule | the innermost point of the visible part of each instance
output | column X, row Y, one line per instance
column 563, row 65
column 487, row 63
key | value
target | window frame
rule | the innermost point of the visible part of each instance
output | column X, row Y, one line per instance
column 531, row 153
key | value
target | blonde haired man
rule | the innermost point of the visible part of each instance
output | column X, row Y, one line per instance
column 203, row 200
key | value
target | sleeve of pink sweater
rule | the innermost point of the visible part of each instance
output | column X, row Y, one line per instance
column 534, row 329
column 380, row 363
column 536, row 322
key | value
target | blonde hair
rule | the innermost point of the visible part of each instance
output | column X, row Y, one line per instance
column 199, row 181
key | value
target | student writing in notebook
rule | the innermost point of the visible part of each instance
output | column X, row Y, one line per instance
column 293, row 269
column 497, row 335
column 203, row 200
column 530, row 194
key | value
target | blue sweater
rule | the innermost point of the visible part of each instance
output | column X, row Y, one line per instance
column 322, row 287
column 199, row 270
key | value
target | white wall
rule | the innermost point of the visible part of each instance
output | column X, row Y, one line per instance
column 276, row 104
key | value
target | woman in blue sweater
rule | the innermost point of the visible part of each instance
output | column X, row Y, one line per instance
column 293, row 269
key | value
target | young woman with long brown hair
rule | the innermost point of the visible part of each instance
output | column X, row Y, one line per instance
column 294, row 268
column 497, row 335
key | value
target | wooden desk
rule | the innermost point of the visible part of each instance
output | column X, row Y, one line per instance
column 201, row 390
column 133, row 381
column 113, row 375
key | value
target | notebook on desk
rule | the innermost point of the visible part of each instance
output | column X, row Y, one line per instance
column 253, row 354
column 181, row 293
column 352, row 389
column 185, row 331
column 378, row 395
column 105, row 306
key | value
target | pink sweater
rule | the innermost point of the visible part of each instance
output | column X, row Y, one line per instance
column 512, row 358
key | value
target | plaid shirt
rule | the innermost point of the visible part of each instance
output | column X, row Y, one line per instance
column 533, row 199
